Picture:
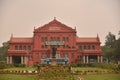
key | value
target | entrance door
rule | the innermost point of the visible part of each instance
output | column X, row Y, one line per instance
column 16, row 59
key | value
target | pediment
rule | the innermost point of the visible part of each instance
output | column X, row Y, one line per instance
column 54, row 26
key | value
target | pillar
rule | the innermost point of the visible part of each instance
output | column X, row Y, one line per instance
column 98, row 58
column 101, row 59
column 83, row 59
column 10, row 58
column 25, row 60
column 87, row 58
column 22, row 60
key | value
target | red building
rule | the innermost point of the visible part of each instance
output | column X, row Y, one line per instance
column 33, row 50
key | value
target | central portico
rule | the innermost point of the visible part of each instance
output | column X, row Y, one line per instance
column 55, row 57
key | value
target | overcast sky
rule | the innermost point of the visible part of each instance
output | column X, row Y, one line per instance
column 19, row 17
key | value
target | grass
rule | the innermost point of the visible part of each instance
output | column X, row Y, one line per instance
column 86, row 77
column 17, row 77
column 21, row 68
column 34, row 77
column 87, row 68
column 101, row 77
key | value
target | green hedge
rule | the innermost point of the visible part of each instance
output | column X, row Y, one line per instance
column 99, row 65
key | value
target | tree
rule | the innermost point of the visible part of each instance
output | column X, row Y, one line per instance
column 110, row 40
column 117, row 50
column 111, row 49
column 108, row 53
column 3, row 51
column 119, row 34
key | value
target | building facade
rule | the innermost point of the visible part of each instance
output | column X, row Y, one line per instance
column 33, row 50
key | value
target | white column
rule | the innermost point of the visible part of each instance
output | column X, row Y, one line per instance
column 10, row 59
column 87, row 58
column 101, row 59
column 7, row 59
column 22, row 60
column 83, row 59
column 98, row 58
column 25, row 60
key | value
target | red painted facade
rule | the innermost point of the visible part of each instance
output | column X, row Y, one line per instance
column 32, row 50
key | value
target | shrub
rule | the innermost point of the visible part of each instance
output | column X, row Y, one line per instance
column 19, row 65
column 2, row 65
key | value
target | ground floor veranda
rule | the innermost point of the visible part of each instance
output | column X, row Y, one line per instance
column 18, row 59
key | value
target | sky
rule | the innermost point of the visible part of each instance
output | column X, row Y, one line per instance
column 90, row 17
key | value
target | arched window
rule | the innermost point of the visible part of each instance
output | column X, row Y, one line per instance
column 80, row 47
column 44, row 55
column 93, row 47
column 24, row 47
column 37, row 55
column 72, row 56
column 16, row 47
column 84, row 47
column 29, row 47
column 88, row 47
column 20, row 47
column 58, row 38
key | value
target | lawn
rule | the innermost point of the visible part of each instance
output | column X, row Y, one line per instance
column 86, row 77
column 17, row 77
column 101, row 77
column 34, row 77
column 86, row 68
column 21, row 68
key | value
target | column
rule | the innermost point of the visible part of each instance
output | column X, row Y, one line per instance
column 87, row 58
column 98, row 58
column 101, row 59
column 7, row 59
column 22, row 60
column 10, row 59
column 83, row 59
column 25, row 60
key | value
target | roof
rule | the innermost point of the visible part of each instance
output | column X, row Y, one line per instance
column 89, row 40
column 54, row 26
column 21, row 40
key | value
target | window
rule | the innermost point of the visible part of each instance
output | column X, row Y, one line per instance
column 20, row 47
column 65, row 55
column 45, row 46
column 65, row 39
column 24, row 47
column 93, row 47
column 72, row 56
column 42, row 46
column 42, row 39
column 84, row 47
column 67, row 46
column 73, row 46
column 63, row 46
column 54, row 38
column 45, row 39
column 37, row 55
column 16, row 47
column 44, row 55
column 51, row 38
column 80, row 47
column 30, row 57
column 58, row 38
column 29, row 47
column 88, row 47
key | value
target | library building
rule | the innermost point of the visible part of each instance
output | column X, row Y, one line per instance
column 54, row 40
